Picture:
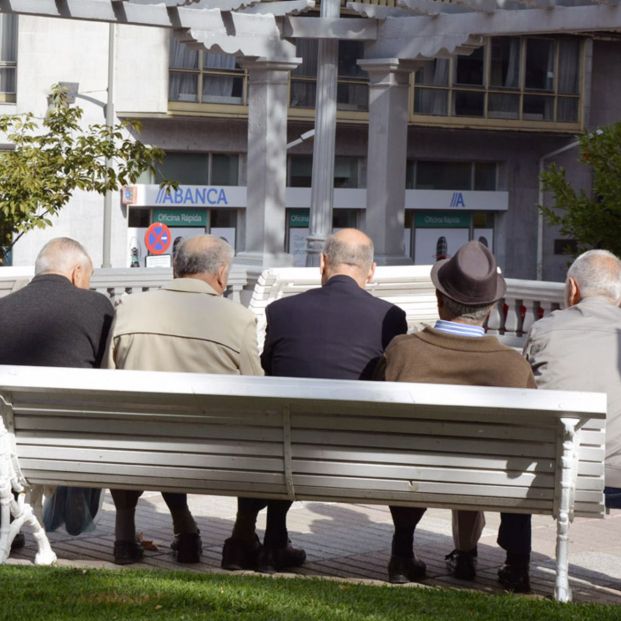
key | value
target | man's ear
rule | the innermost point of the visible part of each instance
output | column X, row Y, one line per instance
column 371, row 272
column 80, row 277
column 222, row 277
column 573, row 292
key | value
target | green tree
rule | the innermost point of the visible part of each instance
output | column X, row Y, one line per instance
column 53, row 157
column 593, row 219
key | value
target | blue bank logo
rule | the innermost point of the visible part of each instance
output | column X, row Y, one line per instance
column 192, row 195
column 457, row 200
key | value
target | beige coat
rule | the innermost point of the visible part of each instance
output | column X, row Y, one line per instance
column 184, row 326
column 579, row 348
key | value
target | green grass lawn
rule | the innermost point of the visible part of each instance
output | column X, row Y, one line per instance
column 37, row 593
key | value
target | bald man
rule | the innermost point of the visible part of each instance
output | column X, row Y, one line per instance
column 337, row 331
column 56, row 321
column 579, row 348
column 185, row 326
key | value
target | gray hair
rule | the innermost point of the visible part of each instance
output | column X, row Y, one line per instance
column 597, row 273
column 457, row 310
column 339, row 252
column 60, row 255
column 204, row 258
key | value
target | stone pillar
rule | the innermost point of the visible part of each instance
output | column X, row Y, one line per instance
column 386, row 157
column 268, row 101
column 322, row 191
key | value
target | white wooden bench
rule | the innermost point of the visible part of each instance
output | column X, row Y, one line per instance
column 348, row 441
column 408, row 286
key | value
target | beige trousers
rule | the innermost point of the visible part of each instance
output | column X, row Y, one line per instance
column 467, row 529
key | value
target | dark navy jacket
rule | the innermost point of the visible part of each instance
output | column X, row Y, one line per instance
column 338, row 331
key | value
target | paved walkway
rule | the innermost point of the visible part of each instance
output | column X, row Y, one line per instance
column 353, row 542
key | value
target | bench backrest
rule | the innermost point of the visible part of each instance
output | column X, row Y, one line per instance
column 370, row 442
column 408, row 286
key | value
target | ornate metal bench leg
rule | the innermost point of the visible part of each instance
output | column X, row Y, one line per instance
column 11, row 481
column 564, row 512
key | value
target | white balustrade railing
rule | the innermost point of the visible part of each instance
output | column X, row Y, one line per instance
column 115, row 282
column 524, row 303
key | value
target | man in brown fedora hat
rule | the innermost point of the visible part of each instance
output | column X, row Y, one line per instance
column 457, row 351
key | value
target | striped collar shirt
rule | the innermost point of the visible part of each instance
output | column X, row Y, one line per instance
column 459, row 329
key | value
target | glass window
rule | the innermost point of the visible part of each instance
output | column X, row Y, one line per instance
column 443, row 175
column 568, row 66
column 8, row 56
column 485, row 176
column 220, row 85
column 469, row 103
column 539, row 64
column 300, row 171
column 138, row 218
column 224, row 169
column 203, row 76
column 514, row 78
column 505, row 62
column 469, row 69
column 346, row 172
column 185, row 168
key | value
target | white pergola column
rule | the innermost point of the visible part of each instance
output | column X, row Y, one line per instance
column 386, row 157
column 268, row 101
column 322, row 190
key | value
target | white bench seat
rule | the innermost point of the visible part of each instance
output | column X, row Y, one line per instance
column 458, row 447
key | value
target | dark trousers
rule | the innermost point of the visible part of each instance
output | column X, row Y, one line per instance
column 514, row 534
column 125, row 502
column 276, row 535
column 128, row 499
column 405, row 520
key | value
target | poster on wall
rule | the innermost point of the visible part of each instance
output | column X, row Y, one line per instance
column 486, row 237
column 438, row 235
column 298, row 225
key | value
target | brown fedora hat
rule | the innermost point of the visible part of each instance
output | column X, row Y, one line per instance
column 469, row 277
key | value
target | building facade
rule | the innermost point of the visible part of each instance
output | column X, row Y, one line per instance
column 478, row 128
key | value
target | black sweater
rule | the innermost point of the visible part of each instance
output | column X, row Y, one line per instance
column 52, row 323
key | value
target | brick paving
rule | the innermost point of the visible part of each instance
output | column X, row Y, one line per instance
column 353, row 542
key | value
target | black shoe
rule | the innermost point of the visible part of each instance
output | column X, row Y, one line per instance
column 402, row 570
column 514, row 578
column 462, row 565
column 277, row 559
column 127, row 552
column 18, row 542
column 240, row 554
column 187, row 547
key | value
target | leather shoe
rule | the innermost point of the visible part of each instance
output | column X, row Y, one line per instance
column 239, row 554
column 462, row 564
column 187, row 547
column 277, row 559
column 127, row 552
column 19, row 541
column 514, row 578
column 402, row 570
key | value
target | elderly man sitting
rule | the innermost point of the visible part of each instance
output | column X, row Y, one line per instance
column 579, row 348
column 457, row 351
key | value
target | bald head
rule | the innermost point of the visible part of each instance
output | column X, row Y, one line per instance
column 595, row 273
column 348, row 252
column 66, row 257
column 206, row 258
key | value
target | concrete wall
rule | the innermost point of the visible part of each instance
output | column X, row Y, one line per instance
column 51, row 51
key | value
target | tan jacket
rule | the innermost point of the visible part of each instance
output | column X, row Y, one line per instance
column 439, row 358
column 184, row 326
column 579, row 348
